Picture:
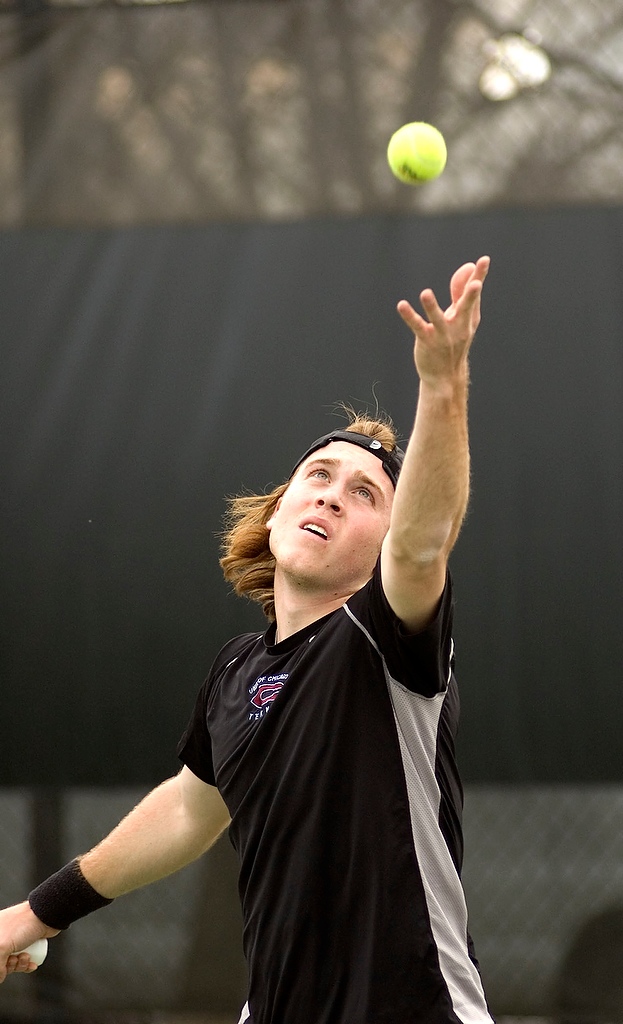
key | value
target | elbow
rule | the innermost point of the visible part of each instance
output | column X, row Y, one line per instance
column 422, row 549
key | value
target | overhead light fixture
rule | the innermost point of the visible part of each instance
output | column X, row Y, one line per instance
column 515, row 63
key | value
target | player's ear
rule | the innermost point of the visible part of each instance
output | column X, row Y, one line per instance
column 269, row 522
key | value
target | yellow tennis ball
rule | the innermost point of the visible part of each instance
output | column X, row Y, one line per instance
column 417, row 153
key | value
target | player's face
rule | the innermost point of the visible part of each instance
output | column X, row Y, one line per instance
column 329, row 525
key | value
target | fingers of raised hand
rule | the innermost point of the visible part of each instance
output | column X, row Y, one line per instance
column 459, row 281
column 432, row 308
column 410, row 316
column 465, row 290
column 467, row 281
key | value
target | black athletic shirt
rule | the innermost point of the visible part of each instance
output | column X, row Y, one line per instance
column 334, row 752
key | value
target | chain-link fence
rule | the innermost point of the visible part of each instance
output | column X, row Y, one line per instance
column 543, row 867
column 541, row 863
column 152, row 952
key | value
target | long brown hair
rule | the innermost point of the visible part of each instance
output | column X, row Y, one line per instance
column 247, row 561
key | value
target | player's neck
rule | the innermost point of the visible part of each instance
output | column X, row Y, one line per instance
column 294, row 611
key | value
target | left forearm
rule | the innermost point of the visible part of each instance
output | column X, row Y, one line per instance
column 433, row 489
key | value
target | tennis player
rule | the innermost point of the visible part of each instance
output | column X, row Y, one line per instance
column 326, row 744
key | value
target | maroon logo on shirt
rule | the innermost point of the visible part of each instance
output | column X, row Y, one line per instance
column 263, row 692
column 266, row 694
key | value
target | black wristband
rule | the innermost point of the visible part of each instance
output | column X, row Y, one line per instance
column 65, row 897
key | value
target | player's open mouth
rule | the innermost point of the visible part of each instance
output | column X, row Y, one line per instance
column 313, row 528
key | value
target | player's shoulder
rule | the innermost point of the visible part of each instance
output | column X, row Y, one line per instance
column 371, row 593
column 371, row 605
column 233, row 649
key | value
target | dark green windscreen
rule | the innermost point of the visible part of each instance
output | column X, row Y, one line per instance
column 148, row 372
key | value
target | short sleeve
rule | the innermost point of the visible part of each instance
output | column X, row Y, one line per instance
column 423, row 661
column 195, row 748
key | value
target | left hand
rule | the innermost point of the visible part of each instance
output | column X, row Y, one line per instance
column 443, row 341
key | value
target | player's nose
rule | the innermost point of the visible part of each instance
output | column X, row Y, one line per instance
column 330, row 499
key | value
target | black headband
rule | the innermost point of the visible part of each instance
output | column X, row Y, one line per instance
column 392, row 461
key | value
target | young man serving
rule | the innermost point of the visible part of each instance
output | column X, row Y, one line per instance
column 327, row 742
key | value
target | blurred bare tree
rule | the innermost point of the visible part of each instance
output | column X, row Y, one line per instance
column 128, row 113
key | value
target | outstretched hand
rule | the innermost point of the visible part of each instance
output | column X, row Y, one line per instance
column 443, row 341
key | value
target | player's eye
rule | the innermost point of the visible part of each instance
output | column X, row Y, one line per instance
column 321, row 473
column 365, row 493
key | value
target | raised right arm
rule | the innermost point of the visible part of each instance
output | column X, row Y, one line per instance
column 170, row 828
